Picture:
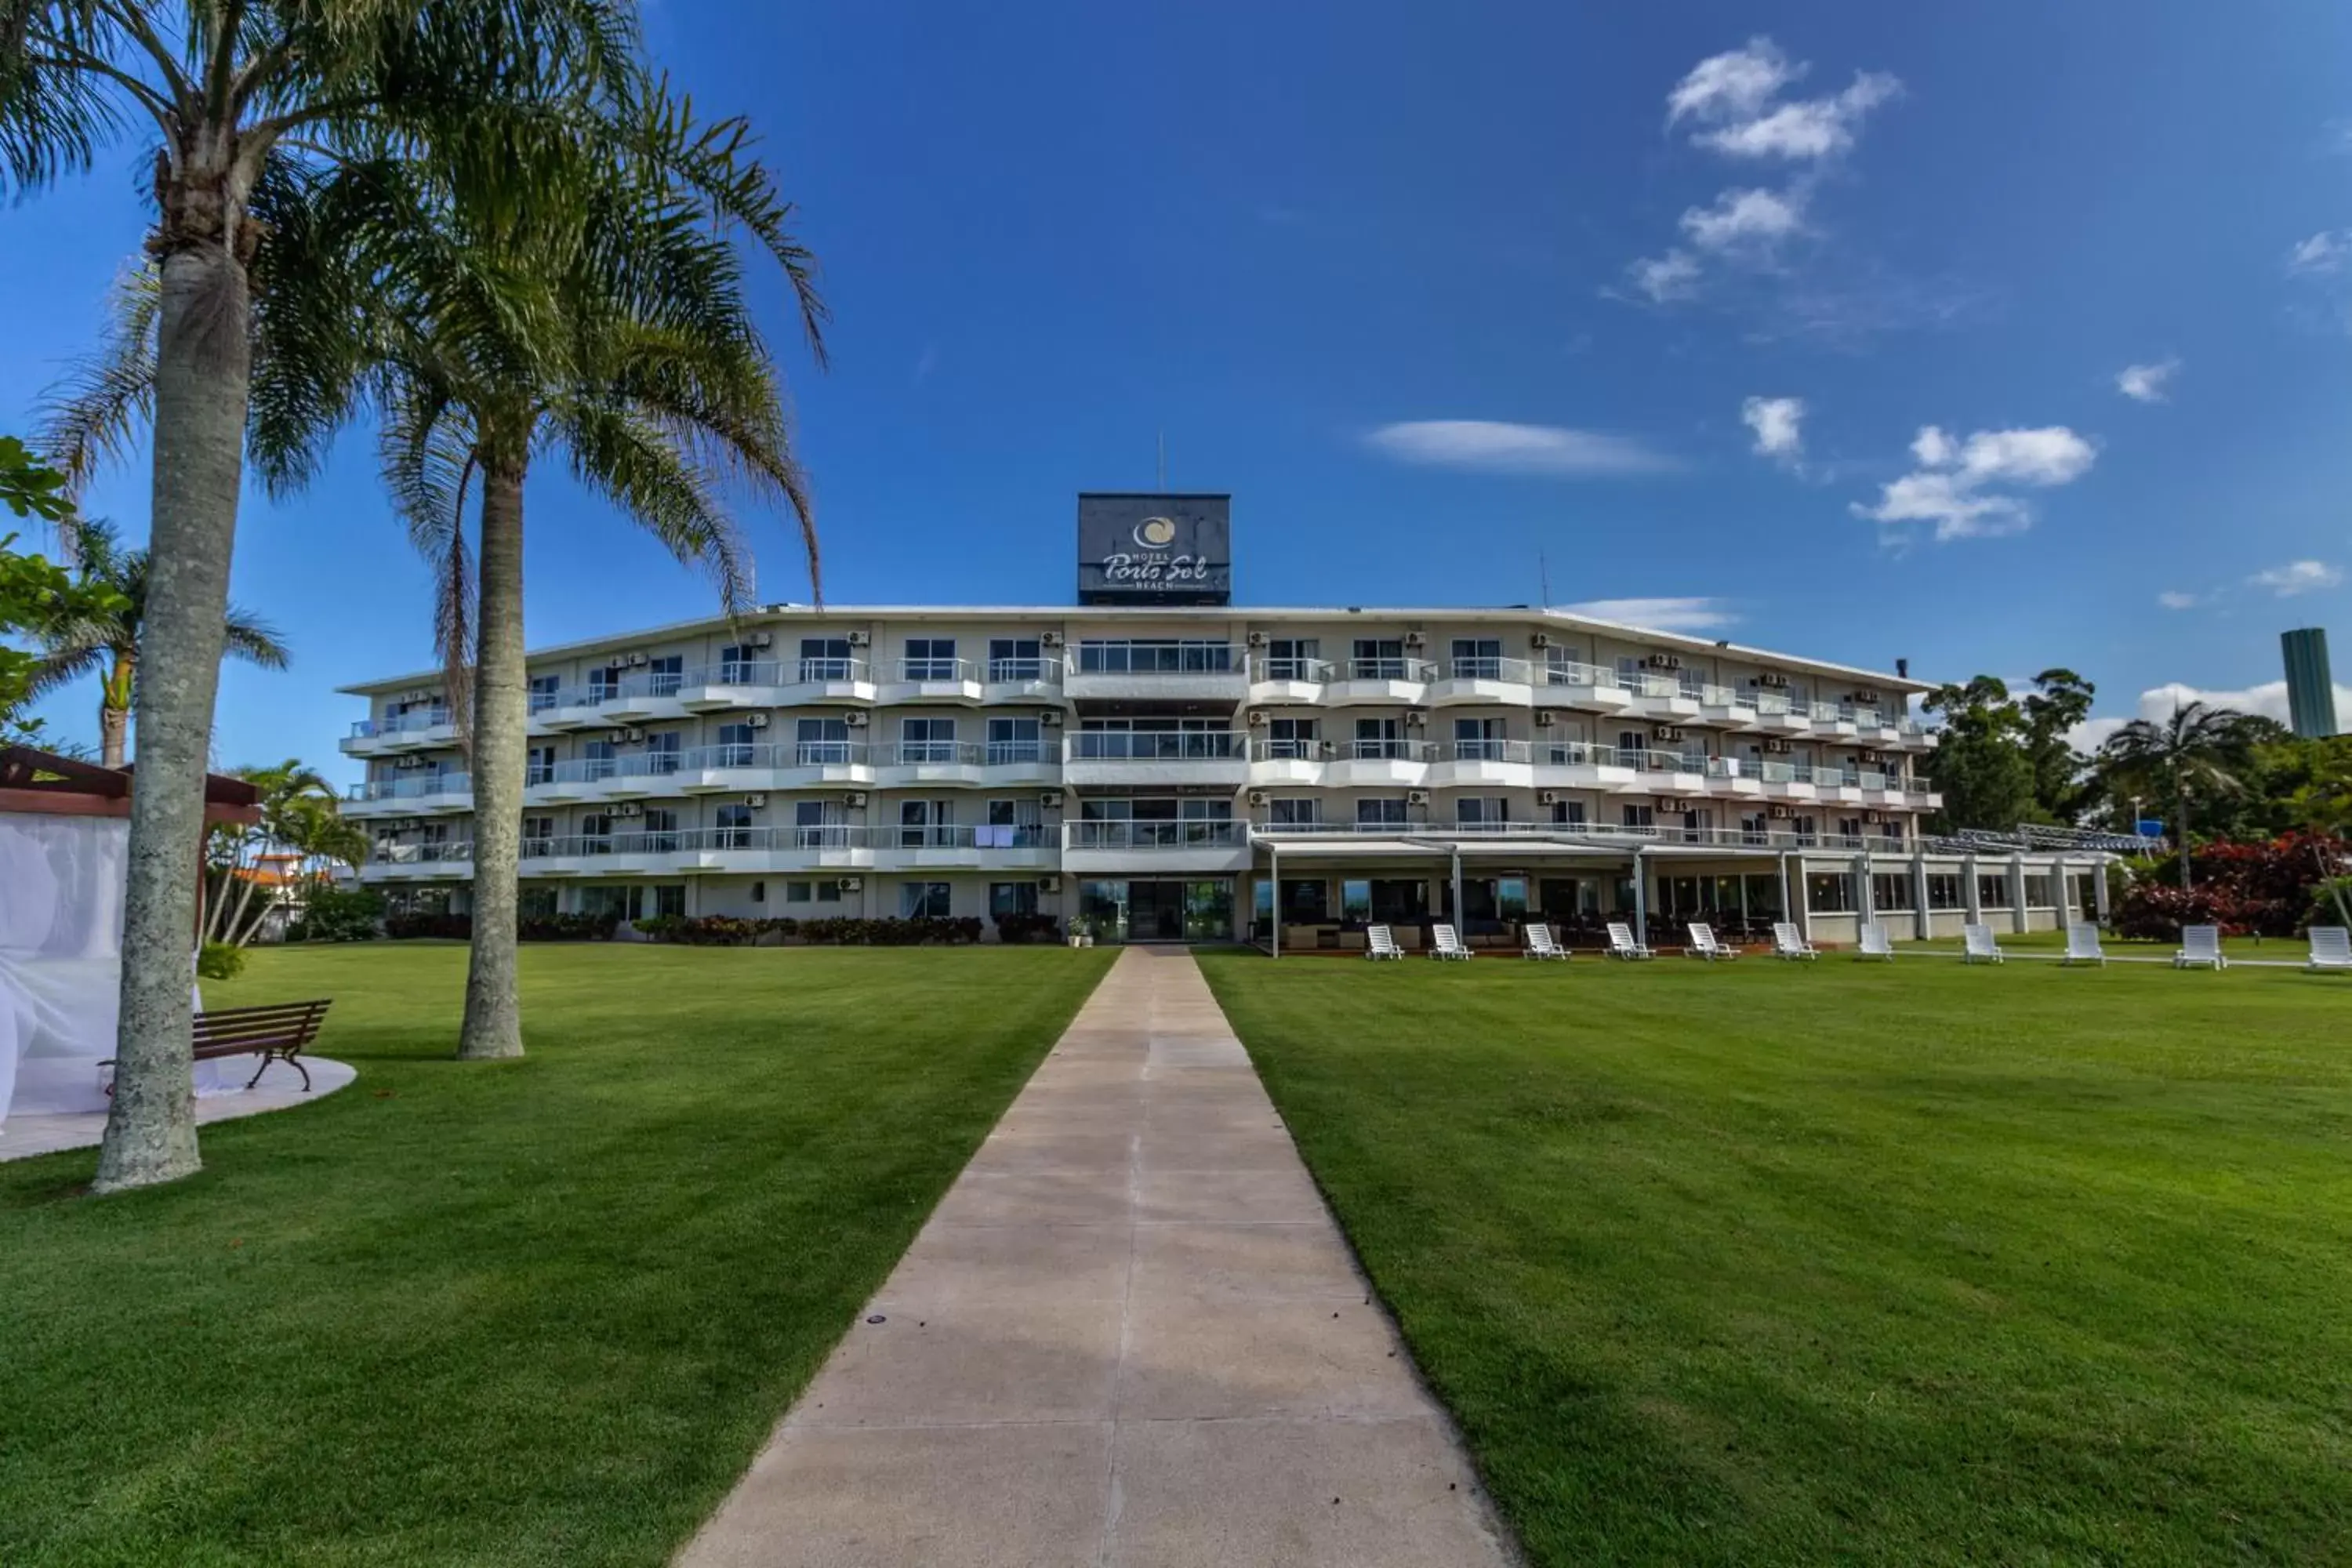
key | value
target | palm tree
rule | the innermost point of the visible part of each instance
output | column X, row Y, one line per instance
column 300, row 816
column 644, row 369
column 2199, row 751
column 107, row 643
column 242, row 94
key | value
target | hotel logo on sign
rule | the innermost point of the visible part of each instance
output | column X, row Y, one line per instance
column 1154, row 549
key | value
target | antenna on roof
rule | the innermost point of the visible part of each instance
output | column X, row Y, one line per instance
column 1163, row 462
column 1543, row 579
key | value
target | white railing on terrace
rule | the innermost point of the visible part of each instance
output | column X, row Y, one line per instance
column 1155, row 746
column 435, row 854
column 1573, row 672
column 411, row 786
column 1159, row 658
column 1417, row 670
column 727, row 672
column 1312, row 671
column 406, row 723
column 1720, row 837
column 953, row 671
column 1133, row 834
column 1488, row 666
column 1774, row 703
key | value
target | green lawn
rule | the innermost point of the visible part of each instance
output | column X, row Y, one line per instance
column 536, row 1313
column 1903, row 1264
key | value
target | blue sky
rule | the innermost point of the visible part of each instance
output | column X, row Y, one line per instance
column 1994, row 337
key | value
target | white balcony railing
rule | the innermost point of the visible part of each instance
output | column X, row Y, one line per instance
column 1311, row 671
column 1572, row 672
column 411, row 786
column 1487, row 666
column 1131, row 835
column 1778, row 838
column 1159, row 658
column 408, row 724
column 1155, row 746
column 1413, row 670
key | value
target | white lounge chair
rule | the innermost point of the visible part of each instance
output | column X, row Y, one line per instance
column 1540, row 945
column 1977, row 945
column 1380, row 942
column 2331, row 949
column 1788, row 942
column 2082, row 945
column 1704, row 945
column 1875, row 943
column 1447, row 942
column 1622, row 943
column 2200, row 945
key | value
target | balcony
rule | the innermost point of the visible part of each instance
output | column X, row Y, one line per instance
column 1388, row 682
column 1656, row 837
column 790, row 764
column 1507, row 765
column 1022, row 680
column 1288, row 679
column 714, row 687
column 420, row 730
column 1150, row 671
column 412, row 795
column 1663, row 697
column 911, row 762
column 439, row 862
column 1156, row 757
column 1778, row 713
column 1585, row 687
column 1380, row 764
column 947, row 680
column 1155, row 848
column 1488, row 680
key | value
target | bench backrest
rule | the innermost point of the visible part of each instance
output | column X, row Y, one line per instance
column 1620, row 936
column 1448, row 939
column 2083, row 940
column 1978, row 939
column 1380, row 938
column 2201, row 941
column 1540, row 937
column 2331, row 945
column 233, row 1031
column 1787, row 938
column 1701, row 936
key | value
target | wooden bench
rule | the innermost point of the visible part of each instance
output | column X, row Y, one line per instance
column 279, row 1032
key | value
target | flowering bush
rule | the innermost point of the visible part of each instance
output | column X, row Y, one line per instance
column 851, row 932
column 714, row 930
column 2261, row 888
column 429, row 923
column 1025, row 928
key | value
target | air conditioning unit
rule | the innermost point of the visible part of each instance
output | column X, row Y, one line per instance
column 419, row 694
column 1541, row 640
column 859, row 640
column 760, row 640
column 1778, row 748
column 1545, row 718
column 1547, row 797
column 1051, row 800
column 755, row 801
column 1664, row 661
column 1049, row 884
column 851, row 884
column 1866, row 694
column 855, row 719
column 1257, row 639
column 636, row 662
column 1050, row 719
column 1257, row 718
column 1872, row 756
column 1666, row 731
column 1782, row 814
column 1670, row 802
column 1049, row 639
column 406, row 763
column 1416, row 798
column 855, row 800
column 1870, row 820
column 631, row 737
column 1257, row 797
column 628, row 808
column 1416, row 639
column 755, row 721
column 1773, row 680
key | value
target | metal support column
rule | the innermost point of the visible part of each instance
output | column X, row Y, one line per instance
column 1974, row 888
column 1461, row 926
column 1921, row 927
column 1865, row 907
column 1273, row 903
column 1641, row 900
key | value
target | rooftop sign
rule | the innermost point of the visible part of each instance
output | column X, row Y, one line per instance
column 1142, row 548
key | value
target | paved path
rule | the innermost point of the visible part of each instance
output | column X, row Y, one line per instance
column 281, row 1088
column 1131, row 1334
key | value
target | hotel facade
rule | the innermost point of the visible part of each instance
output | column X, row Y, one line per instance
column 1153, row 763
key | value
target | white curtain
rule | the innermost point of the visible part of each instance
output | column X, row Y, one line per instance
column 60, row 958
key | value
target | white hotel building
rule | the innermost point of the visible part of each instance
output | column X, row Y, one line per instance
column 1155, row 763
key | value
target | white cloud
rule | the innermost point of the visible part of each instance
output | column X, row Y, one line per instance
column 1815, row 128
column 1493, row 447
column 2147, row 382
column 2325, row 251
column 1778, row 424
column 1673, row 275
column 2173, row 599
column 1953, row 486
column 2268, row 700
column 1690, row 615
column 2298, row 577
column 1735, row 85
column 1745, row 219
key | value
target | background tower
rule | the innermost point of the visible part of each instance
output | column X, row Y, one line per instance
column 2310, row 688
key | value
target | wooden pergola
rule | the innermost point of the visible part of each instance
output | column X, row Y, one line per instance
column 42, row 784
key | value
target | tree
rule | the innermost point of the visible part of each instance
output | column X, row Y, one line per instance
column 2199, row 752
column 1981, row 766
column 107, row 644
column 299, row 818
column 640, row 364
column 35, row 593
column 2060, row 700
column 245, row 95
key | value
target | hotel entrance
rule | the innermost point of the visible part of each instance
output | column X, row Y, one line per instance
column 1125, row 911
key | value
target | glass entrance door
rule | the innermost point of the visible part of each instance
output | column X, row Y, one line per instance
column 1155, row 911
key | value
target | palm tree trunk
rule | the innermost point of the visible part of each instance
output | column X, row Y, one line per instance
column 493, row 1025
column 114, row 730
column 203, row 368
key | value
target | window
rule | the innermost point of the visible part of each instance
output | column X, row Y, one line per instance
column 923, row 900
column 733, row 827
column 827, row 659
column 663, row 751
column 604, row 684
column 822, row 742
column 540, row 766
column 663, row 676
column 738, row 664
column 670, row 900
column 1306, row 901
column 1944, row 891
column 543, row 691
column 925, row 823
column 1481, row 811
column 1478, row 740
column 1638, row 815
column 817, row 824
column 538, row 836
column 1011, row 898
column 1355, row 902
column 597, row 833
column 1017, row 824
column 1829, row 893
column 661, row 831
column 734, row 749
column 930, row 658
column 1890, row 890
column 1992, row 892
column 1400, row 902
column 1014, row 741
column 1292, row 738
column 926, row 740
column 1377, row 737
column 1293, row 658
column 1378, row 659
column 1385, row 811
column 1567, row 813
column 1633, row 748
column 1015, row 659
column 538, row 903
column 1754, row 827
column 1299, row 812
column 2039, row 894
column 601, row 759
column 1154, row 658
column 1849, row 826
column 1891, row 831
column 797, row 892
column 1476, row 658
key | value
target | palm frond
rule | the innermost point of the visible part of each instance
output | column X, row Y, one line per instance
column 61, row 667
column 91, row 417
column 628, row 458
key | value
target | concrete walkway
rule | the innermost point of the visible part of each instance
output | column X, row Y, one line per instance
column 1131, row 1335
column 281, row 1088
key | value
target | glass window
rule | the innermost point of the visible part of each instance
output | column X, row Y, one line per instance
column 1355, row 902
column 1992, row 892
column 827, row 659
column 1828, row 893
column 1306, row 901
column 1302, row 812
column 1378, row 659
column 670, row 900
column 930, row 658
column 543, row 691
column 1014, row 741
column 1481, row 811
column 661, row 830
column 1890, row 890
column 821, row 742
column 538, row 903
column 797, row 892
column 1381, row 811
column 1399, row 901
column 1011, row 898
column 1568, row 813
column 737, row 664
column 1292, row 658
column 2039, row 893
column 1015, row 659
column 733, row 824
column 1477, row 659
column 1944, row 891
column 923, row 900
column 663, row 677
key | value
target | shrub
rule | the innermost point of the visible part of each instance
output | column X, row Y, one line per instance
column 1026, row 928
column 428, row 924
column 338, row 914
column 2263, row 887
column 713, row 930
column 848, row 932
column 220, row 961
column 567, row 928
